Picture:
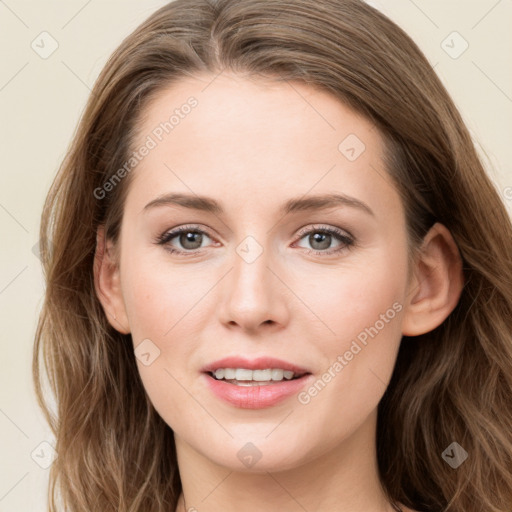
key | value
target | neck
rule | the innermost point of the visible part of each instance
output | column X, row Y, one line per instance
column 344, row 479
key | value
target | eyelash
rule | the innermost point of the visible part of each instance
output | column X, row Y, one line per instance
column 347, row 240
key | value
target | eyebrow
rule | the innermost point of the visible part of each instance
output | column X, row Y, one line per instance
column 310, row 203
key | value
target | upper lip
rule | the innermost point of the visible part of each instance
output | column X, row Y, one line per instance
column 260, row 363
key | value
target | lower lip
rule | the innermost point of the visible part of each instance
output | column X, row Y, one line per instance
column 256, row 397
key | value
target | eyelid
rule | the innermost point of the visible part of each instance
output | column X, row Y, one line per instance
column 328, row 228
column 173, row 232
column 346, row 239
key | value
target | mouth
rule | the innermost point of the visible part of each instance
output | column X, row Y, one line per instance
column 255, row 384
column 248, row 377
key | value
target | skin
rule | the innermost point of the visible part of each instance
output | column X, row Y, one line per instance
column 253, row 144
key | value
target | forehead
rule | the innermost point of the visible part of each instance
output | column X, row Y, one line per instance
column 261, row 109
column 260, row 137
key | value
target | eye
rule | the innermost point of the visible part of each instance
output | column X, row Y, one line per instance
column 321, row 238
column 188, row 238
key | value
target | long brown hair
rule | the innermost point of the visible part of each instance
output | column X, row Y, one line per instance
column 453, row 384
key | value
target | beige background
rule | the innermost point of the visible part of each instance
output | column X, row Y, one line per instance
column 41, row 101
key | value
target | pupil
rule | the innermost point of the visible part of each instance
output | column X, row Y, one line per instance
column 187, row 240
column 323, row 238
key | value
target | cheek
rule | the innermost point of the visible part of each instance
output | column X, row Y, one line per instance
column 157, row 296
column 350, row 299
column 363, row 307
column 162, row 321
column 166, row 305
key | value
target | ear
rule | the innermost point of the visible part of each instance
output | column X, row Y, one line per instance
column 107, row 283
column 436, row 285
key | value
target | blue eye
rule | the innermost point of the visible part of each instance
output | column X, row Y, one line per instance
column 191, row 239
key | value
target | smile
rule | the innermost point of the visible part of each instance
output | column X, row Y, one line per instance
column 247, row 377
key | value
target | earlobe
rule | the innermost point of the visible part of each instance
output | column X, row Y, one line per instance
column 107, row 283
column 436, row 285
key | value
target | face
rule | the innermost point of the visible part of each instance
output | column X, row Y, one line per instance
column 267, row 279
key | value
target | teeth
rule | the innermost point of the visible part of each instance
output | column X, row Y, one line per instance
column 261, row 375
column 243, row 374
column 229, row 373
column 277, row 374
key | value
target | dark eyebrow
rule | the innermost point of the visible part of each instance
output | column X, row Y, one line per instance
column 203, row 203
column 324, row 201
column 207, row 204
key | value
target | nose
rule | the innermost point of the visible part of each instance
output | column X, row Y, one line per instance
column 253, row 296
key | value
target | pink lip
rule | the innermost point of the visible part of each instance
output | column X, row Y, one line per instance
column 261, row 363
column 255, row 397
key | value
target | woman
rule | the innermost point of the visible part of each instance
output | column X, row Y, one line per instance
column 279, row 275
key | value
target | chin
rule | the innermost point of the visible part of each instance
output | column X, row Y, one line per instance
column 258, row 453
